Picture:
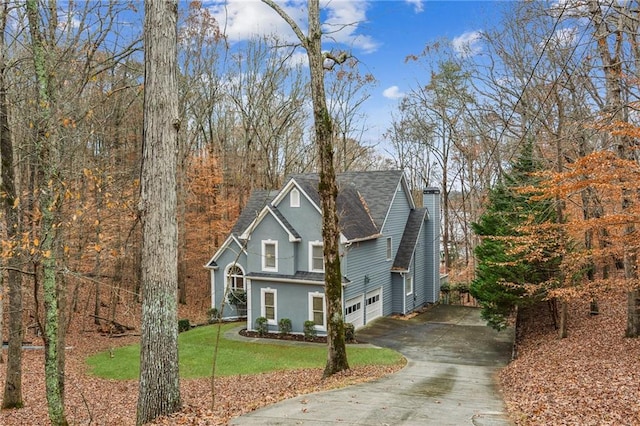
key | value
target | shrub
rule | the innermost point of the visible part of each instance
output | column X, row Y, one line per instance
column 349, row 332
column 183, row 325
column 213, row 315
column 262, row 326
column 309, row 330
column 284, row 326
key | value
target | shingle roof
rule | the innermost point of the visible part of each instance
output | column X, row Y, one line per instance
column 257, row 201
column 363, row 200
column 284, row 222
column 376, row 187
column 407, row 246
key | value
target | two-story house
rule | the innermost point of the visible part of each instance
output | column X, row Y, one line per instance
column 389, row 249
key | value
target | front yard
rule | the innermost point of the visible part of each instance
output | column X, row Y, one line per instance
column 234, row 357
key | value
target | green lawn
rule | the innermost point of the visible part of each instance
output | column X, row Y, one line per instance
column 196, row 349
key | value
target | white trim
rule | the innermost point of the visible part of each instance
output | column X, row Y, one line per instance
column 223, row 247
column 226, row 277
column 313, row 244
column 249, row 305
column 313, row 295
column 407, row 194
column 264, row 255
column 212, row 279
column 246, row 234
column 263, row 311
column 408, row 277
column 388, row 247
column 294, row 198
column 283, row 192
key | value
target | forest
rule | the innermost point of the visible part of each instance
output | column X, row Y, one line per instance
column 532, row 142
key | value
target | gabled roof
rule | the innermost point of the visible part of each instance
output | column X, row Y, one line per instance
column 271, row 209
column 364, row 199
column 256, row 202
column 232, row 238
column 409, row 240
column 377, row 188
column 363, row 202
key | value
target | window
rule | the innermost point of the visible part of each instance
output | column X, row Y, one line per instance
column 353, row 308
column 408, row 284
column 317, row 310
column 269, row 255
column 316, row 257
column 235, row 278
column 389, row 248
column 294, row 198
column 373, row 299
column 268, row 308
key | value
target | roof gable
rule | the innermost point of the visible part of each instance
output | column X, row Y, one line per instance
column 255, row 204
column 273, row 211
column 212, row 264
column 305, row 186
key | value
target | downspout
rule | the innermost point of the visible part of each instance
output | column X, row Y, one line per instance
column 404, row 294
column 364, row 312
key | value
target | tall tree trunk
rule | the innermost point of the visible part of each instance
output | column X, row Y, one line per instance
column 13, row 380
column 328, row 189
column 615, row 112
column 159, row 389
column 337, row 353
column 48, row 200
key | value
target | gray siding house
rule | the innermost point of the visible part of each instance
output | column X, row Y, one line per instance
column 271, row 263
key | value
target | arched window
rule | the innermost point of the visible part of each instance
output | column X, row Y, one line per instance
column 235, row 278
column 294, row 198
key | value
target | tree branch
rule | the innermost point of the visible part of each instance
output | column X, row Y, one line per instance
column 296, row 29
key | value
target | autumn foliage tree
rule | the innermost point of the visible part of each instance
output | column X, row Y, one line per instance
column 593, row 270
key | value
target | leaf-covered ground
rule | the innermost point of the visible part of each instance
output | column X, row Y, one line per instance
column 590, row 378
column 94, row 401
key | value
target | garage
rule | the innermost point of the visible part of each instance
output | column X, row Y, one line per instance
column 373, row 304
column 353, row 312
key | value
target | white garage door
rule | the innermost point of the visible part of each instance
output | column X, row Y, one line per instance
column 353, row 312
column 373, row 304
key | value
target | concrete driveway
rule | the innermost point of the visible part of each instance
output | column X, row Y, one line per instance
column 450, row 377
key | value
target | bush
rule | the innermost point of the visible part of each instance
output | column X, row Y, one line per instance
column 183, row 325
column 262, row 326
column 284, row 326
column 213, row 315
column 349, row 332
column 309, row 330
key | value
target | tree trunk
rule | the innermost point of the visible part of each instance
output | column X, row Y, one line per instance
column 633, row 314
column 13, row 379
column 328, row 189
column 615, row 111
column 337, row 353
column 564, row 317
column 159, row 389
column 48, row 200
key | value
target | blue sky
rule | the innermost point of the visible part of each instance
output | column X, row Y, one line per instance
column 382, row 35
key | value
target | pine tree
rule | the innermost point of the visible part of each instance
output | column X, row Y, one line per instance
column 508, row 275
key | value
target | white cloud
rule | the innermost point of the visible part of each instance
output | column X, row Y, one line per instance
column 343, row 21
column 393, row 92
column 468, row 43
column 418, row 5
column 243, row 19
